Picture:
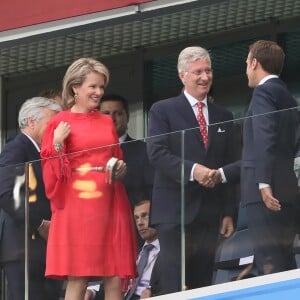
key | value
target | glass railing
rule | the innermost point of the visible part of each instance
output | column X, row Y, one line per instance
column 92, row 222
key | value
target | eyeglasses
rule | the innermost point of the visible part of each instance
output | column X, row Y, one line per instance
column 200, row 72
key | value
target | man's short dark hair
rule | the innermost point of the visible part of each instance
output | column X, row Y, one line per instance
column 141, row 202
column 117, row 98
column 269, row 54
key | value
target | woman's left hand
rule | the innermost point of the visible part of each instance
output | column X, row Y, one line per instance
column 120, row 170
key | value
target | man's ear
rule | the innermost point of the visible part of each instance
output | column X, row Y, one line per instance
column 31, row 122
column 254, row 63
column 181, row 76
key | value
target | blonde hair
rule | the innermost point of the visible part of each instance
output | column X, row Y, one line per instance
column 76, row 75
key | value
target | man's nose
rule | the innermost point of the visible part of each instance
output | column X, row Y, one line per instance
column 204, row 76
column 139, row 221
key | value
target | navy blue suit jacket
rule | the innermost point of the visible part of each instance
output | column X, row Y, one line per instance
column 139, row 178
column 269, row 135
column 12, row 160
column 167, row 119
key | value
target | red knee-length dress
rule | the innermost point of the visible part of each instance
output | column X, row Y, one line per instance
column 92, row 231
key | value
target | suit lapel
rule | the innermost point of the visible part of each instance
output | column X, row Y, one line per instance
column 214, row 118
column 32, row 152
column 184, row 108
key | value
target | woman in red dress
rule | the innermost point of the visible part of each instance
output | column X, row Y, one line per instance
column 91, row 233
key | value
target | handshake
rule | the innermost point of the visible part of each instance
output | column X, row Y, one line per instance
column 206, row 177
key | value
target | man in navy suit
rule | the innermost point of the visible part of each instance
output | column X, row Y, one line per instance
column 178, row 169
column 268, row 183
column 139, row 178
column 24, row 148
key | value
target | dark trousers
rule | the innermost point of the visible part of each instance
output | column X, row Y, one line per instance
column 40, row 288
column 272, row 234
column 200, row 247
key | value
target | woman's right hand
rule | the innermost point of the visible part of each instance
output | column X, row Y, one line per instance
column 61, row 132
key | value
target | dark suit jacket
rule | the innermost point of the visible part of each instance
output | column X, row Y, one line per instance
column 269, row 147
column 139, row 178
column 168, row 118
column 12, row 161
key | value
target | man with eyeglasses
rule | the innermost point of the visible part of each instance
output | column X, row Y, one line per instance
column 207, row 143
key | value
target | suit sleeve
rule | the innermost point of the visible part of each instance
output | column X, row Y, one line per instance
column 148, row 175
column 229, row 190
column 10, row 171
column 232, row 172
column 12, row 186
column 264, row 134
column 161, row 156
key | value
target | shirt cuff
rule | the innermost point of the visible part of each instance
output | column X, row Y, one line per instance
column 192, row 173
column 263, row 185
column 224, row 180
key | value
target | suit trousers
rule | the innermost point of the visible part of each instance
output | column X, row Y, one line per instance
column 272, row 234
column 39, row 286
column 200, row 247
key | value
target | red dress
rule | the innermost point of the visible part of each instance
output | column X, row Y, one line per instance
column 91, row 232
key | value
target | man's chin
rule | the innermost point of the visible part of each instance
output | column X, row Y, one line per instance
column 144, row 236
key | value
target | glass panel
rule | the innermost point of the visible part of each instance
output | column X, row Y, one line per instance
column 13, row 227
column 267, row 142
column 93, row 232
column 167, row 212
column 182, row 206
column 92, row 236
column 38, row 218
column 265, row 239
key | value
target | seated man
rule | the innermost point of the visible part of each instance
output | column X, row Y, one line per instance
column 139, row 288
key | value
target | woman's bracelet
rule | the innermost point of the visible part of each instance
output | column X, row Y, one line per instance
column 58, row 147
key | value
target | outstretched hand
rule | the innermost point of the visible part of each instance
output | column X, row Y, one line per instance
column 206, row 177
column 271, row 202
column 215, row 176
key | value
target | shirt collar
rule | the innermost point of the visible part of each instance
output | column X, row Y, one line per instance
column 267, row 78
column 122, row 138
column 193, row 101
column 155, row 243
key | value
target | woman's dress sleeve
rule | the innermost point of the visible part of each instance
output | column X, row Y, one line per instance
column 56, row 168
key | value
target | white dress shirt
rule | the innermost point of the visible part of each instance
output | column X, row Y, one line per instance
column 145, row 279
column 194, row 104
column 122, row 138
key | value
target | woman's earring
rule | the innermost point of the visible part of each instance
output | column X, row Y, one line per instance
column 75, row 96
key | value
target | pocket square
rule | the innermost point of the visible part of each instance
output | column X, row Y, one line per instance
column 220, row 130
